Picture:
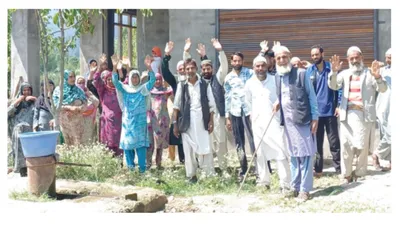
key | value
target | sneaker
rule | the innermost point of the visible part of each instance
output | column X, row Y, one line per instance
column 303, row 196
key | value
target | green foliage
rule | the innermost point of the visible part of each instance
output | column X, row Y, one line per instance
column 100, row 157
column 9, row 27
column 26, row 196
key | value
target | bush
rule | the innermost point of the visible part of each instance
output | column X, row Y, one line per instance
column 104, row 165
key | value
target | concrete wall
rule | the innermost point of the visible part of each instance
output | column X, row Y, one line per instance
column 151, row 31
column 91, row 45
column 384, row 32
column 196, row 24
column 25, row 49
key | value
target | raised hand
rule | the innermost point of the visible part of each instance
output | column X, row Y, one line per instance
column 93, row 69
column 147, row 62
column 168, row 47
column 119, row 65
column 264, row 46
column 188, row 44
column 216, row 44
column 126, row 61
column 277, row 44
column 201, row 49
column 336, row 63
column 115, row 60
column 103, row 58
column 375, row 68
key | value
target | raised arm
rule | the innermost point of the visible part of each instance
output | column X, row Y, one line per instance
column 335, row 80
column 379, row 83
column 115, row 78
column 186, row 49
column 223, row 61
column 166, row 73
column 152, row 77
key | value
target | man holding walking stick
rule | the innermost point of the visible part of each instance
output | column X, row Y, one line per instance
column 260, row 98
column 299, row 115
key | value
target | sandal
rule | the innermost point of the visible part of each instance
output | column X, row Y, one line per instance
column 375, row 162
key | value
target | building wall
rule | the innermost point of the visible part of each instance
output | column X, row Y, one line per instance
column 25, row 59
column 151, row 31
column 91, row 45
column 384, row 32
column 199, row 25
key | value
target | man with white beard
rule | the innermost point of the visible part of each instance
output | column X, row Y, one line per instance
column 384, row 149
column 299, row 115
column 260, row 96
column 357, row 110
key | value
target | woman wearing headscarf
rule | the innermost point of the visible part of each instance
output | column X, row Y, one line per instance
column 42, row 117
column 72, row 106
column 159, row 101
column 111, row 116
column 156, row 64
column 20, row 113
column 152, row 123
column 132, row 100
column 89, row 125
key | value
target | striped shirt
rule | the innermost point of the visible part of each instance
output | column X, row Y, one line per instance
column 355, row 100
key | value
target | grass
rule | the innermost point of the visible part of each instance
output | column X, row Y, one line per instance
column 172, row 181
column 26, row 196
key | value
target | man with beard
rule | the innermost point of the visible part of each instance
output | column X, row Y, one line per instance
column 173, row 81
column 357, row 110
column 327, row 100
column 218, row 136
column 299, row 116
column 236, row 110
column 384, row 149
column 260, row 97
column 195, row 103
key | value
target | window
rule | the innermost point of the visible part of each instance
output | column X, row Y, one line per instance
column 125, row 36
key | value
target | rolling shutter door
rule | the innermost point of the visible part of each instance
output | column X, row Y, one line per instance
column 335, row 29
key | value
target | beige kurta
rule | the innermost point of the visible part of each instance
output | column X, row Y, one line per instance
column 357, row 126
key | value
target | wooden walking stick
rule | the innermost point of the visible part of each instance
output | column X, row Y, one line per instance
column 254, row 154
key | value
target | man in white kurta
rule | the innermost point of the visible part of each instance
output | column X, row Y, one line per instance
column 218, row 136
column 196, row 140
column 260, row 96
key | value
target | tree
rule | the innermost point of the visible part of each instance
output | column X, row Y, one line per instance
column 9, row 14
column 64, row 19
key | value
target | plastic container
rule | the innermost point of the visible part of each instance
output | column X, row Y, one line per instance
column 39, row 144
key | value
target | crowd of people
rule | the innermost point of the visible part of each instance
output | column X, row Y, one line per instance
column 282, row 104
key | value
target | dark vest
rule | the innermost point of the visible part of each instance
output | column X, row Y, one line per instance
column 184, row 113
column 219, row 95
column 298, row 97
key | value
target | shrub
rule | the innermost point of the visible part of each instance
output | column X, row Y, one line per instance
column 104, row 165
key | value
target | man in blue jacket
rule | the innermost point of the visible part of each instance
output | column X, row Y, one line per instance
column 327, row 100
